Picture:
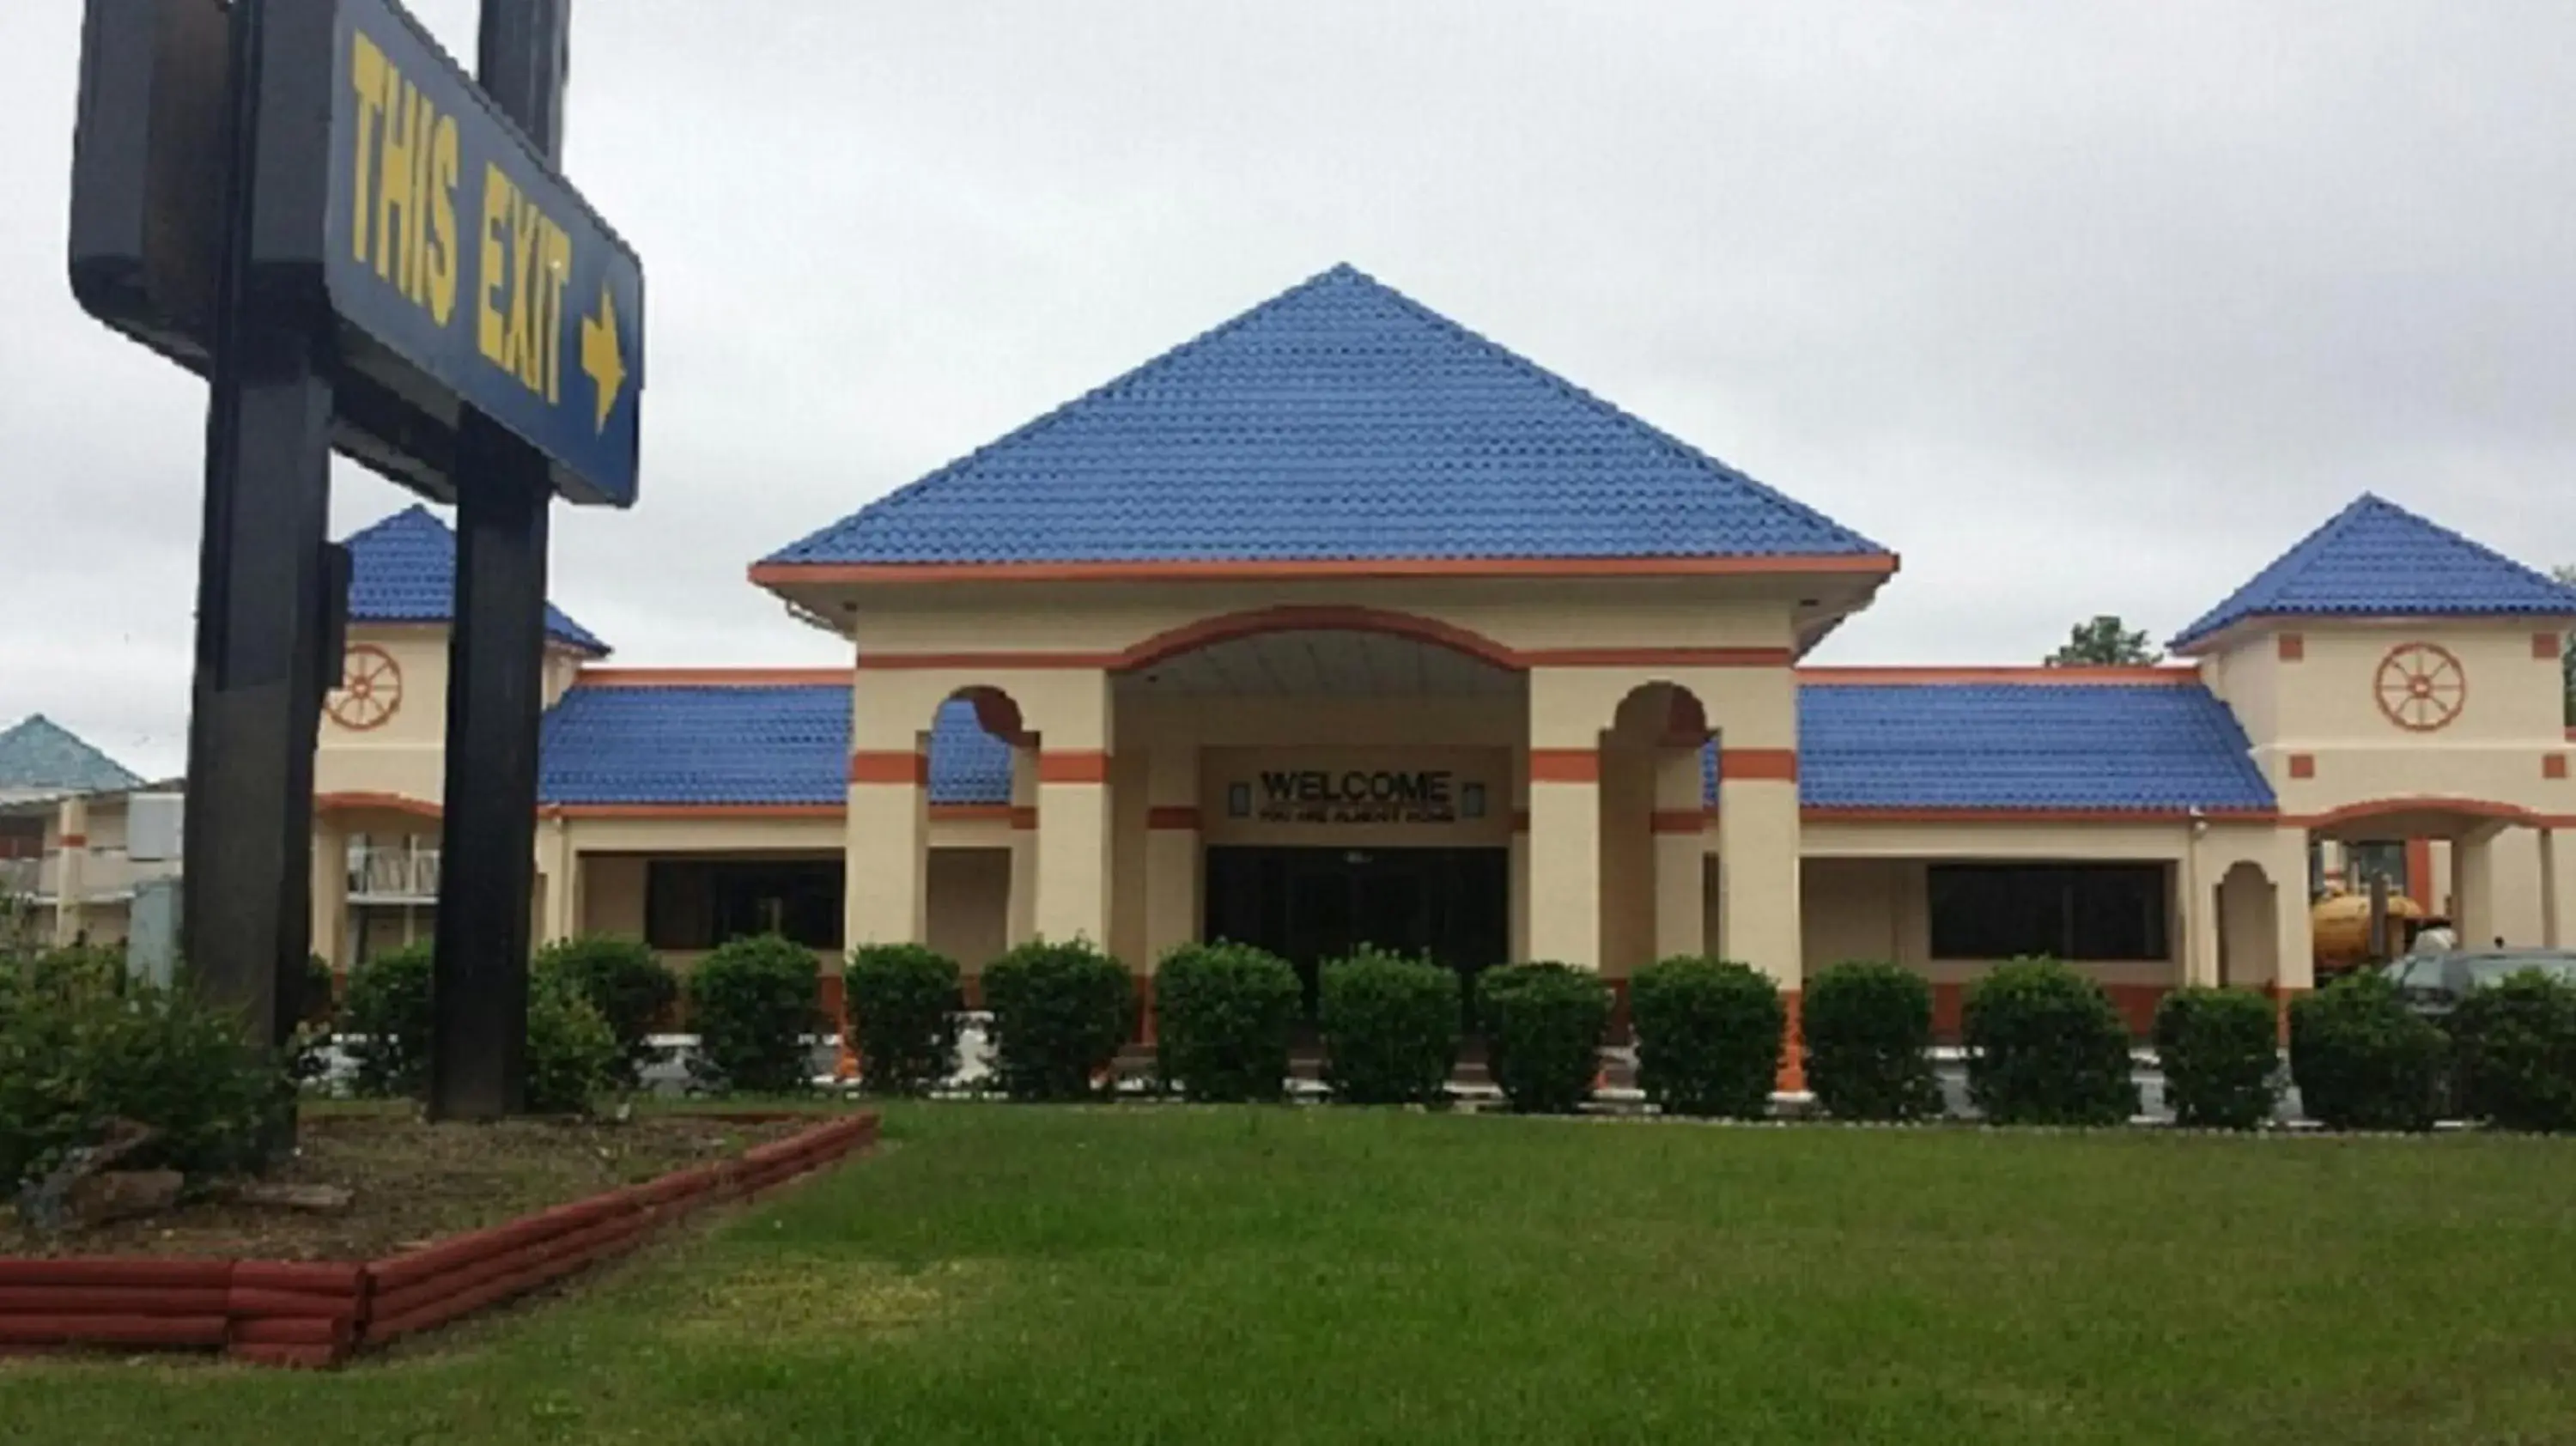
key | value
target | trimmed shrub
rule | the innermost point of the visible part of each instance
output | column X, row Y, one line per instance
column 1708, row 1036
column 2362, row 1060
column 2220, row 1050
column 81, row 1048
column 753, row 1002
column 1543, row 1025
column 572, row 1054
column 1060, row 1013
column 2046, row 1046
column 320, row 1004
column 1867, row 1029
column 2514, row 1053
column 388, row 1010
column 902, row 1001
column 631, row 989
column 1390, row 1029
column 1223, row 1015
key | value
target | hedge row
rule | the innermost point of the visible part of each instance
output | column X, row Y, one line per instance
column 2044, row 1043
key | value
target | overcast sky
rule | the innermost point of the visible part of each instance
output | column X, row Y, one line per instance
column 2079, row 308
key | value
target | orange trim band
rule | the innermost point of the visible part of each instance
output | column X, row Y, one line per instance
column 900, row 662
column 704, row 677
column 1565, row 765
column 1073, row 765
column 890, row 765
column 696, row 810
column 970, row 813
column 74, row 841
column 2035, row 675
column 2475, row 807
column 1657, row 657
column 1678, row 820
column 1831, row 814
column 781, row 574
column 390, row 802
column 1314, row 618
column 1023, row 816
column 1743, row 765
column 1173, row 818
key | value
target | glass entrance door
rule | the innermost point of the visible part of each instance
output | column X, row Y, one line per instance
column 1309, row 905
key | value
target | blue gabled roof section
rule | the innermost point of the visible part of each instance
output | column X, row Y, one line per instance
column 39, row 754
column 1337, row 421
column 735, row 744
column 2108, row 748
column 2376, row 559
column 2040, row 747
column 403, row 570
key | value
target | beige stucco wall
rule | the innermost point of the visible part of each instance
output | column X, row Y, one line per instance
column 405, row 755
column 970, row 893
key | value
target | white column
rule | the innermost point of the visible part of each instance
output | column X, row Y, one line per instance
column 71, row 870
column 1022, row 922
column 1172, row 827
column 1565, row 854
column 1681, row 854
column 2557, row 890
column 885, row 889
column 331, row 892
column 2473, row 888
column 1519, row 861
column 2294, row 955
column 1073, row 812
column 563, row 882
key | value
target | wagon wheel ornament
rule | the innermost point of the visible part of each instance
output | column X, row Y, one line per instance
column 370, row 689
column 2421, row 686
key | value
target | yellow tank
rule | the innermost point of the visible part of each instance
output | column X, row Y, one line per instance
column 2341, row 924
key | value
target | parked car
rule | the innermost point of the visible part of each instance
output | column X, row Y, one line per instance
column 2434, row 984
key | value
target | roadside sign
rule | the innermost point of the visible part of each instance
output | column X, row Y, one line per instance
column 463, row 269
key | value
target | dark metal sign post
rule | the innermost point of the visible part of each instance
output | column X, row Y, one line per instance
column 413, row 284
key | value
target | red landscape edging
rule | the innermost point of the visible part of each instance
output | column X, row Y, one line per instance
column 295, row 1313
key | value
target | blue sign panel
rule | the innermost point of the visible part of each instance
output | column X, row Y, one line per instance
column 466, row 270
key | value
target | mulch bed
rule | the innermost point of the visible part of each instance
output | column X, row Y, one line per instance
column 414, row 1182
column 460, row 1218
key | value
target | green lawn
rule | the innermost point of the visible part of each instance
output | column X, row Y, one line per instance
column 1186, row 1276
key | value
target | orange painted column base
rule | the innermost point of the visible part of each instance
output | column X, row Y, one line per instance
column 1793, row 1049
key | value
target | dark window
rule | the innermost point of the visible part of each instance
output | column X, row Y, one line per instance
column 2363, row 862
column 701, row 903
column 2067, row 911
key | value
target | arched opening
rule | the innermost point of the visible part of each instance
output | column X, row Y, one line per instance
column 981, row 770
column 2248, row 902
column 2473, row 866
column 1656, row 873
column 1314, row 780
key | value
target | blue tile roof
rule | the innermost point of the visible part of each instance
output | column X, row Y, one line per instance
column 39, row 754
column 733, row 744
column 2376, row 559
column 403, row 570
column 1339, row 420
column 2109, row 747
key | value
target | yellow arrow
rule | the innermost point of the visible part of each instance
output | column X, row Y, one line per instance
column 599, row 355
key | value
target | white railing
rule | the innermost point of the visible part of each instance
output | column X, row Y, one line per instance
column 393, row 873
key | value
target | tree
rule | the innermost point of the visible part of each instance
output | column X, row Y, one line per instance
column 2103, row 642
column 2567, row 656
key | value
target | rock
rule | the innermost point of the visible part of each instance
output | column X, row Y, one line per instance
column 316, row 1199
column 49, row 1204
column 121, row 1195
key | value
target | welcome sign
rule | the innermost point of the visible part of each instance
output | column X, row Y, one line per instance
column 1355, row 796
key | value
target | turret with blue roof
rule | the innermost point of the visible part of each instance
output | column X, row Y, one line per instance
column 403, row 570
column 2375, row 559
